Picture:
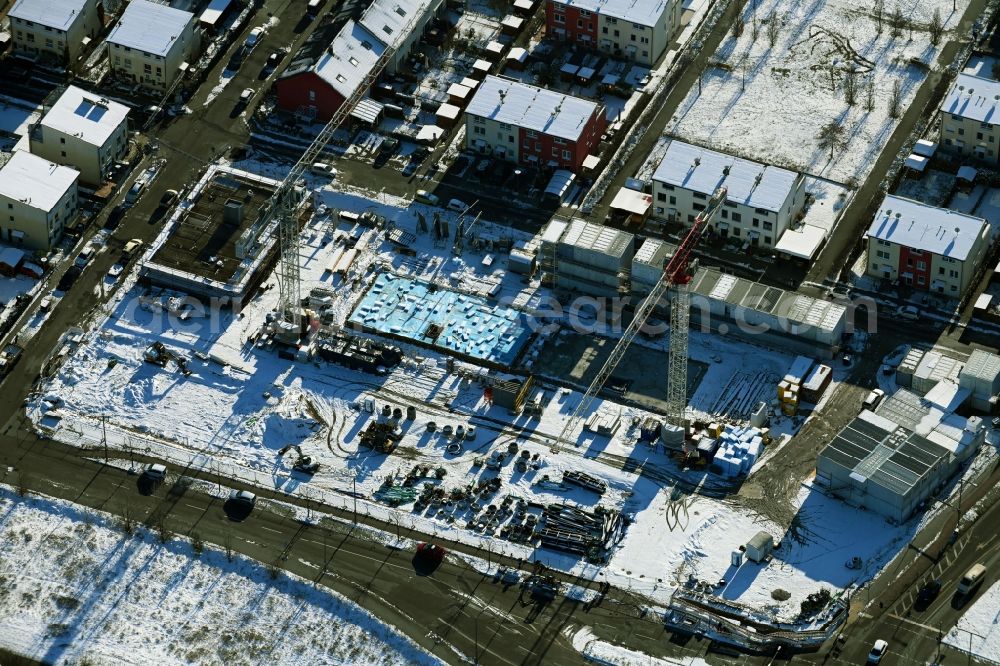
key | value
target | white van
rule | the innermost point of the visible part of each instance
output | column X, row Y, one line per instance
column 972, row 579
column 323, row 169
column 873, row 399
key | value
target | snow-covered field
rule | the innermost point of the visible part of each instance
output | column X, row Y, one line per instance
column 77, row 590
column 978, row 630
column 768, row 103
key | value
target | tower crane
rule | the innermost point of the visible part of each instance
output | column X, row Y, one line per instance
column 676, row 277
column 284, row 201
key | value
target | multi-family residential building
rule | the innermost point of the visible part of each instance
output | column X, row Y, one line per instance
column 324, row 74
column 636, row 29
column 588, row 258
column 762, row 201
column 37, row 199
column 970, row 118
column 152, row 44
column 926, row 247
column 529, row 125
column 56, row 29
column 82, row 130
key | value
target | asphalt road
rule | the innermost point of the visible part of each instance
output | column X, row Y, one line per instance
column 913, row 631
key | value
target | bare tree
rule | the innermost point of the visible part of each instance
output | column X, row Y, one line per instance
column 24, row 483
column 894, row 99
column 897, row 22
column 831, row 137
column 936, row 27
column 227, row 545
column 754, row 25
column 773, row 30
column 163, row 531
column 738, row 24
column 197, row 544
column 127, row 519
column 870, row 96
column 879, row 15
column 850, row 87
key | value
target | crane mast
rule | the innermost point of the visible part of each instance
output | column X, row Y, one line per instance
column 284, row 202
column 676, row 278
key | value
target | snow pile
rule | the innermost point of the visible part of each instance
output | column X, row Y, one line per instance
column 978, row 630
column 76, row 590
column 798, row 84
column 600, row 652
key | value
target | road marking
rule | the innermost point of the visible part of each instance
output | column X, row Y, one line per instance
column 934, row 630
column 982, row 546
column 269, row 529
column 196, row 508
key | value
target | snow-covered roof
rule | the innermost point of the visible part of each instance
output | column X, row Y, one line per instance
column 59, row 14
column 975, row 98
column 516, row 103
column 803, row 242
column 597, row 238
column 35, row 181
column 150, row 27
column 928, row 228
column 391, row 20
column 349, row 58
column 90, row 117
column 654, row 252
column 637, row 203
column 643, row 12
column 747, row 183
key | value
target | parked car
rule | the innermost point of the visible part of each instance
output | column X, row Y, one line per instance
column 244, row 498
column 115, row 272
column 873, row 399
column 69, row 277
column 878, row 651
column 425, row 197
column 130, row 249
column 254, row 37
column 169, row 197
column 86, row 254
column 156, row 472
column 246, row 95
column 457, row 205
column 909, row 312
column 929, row 591
column 972, row 579
column 322, row 168
column 134, row 192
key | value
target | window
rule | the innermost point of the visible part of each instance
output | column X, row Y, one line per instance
column 690, row 218
column 961, row 131
column 737, row 217
column 510, row 138
column 954, row 288
column 669, row 187
column 63, row 153
column 883, row 242
column 312, row 95
column 921, row 265
column 767, row 239
column 882, row 254
column 921, row 279
column 768, row 226
column 604, row 30
column 644, row 40
column 756, row 222
column 940, row 270
column 555, row 152
column 700, row 195
column 673, row 201
column 10, row 206
column 584, row 13
column 579, row 23
column 645, row 54
column 479, row 130
column 62, row 139
column 531, row 134
column 559, row 18
column 147, row 68
column 617, row 34
column 479, row 120
column 31, row 37
column 48, row 44
column 698, row 206
column 567, row 154
column 979, row 136
column 613, row 21
column 632, row 37
column 159, row 71
column 953, row 273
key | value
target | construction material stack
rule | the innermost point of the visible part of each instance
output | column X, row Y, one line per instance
column 739, row 448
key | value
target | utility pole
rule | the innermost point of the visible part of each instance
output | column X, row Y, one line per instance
column 354, row 493
column 104, row 431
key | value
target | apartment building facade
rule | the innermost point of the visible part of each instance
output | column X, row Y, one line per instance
column 970, row 118
column 57, row 30
column 639, row 30
column 84, row 131
column 926, row 247
column 530, row 125
column 762, row 202
column 38, row 198
column 152, row 44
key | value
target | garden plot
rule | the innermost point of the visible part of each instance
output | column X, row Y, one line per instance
column 78, row 590
column 769, row 102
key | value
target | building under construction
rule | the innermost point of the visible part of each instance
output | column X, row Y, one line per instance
column 195, row 253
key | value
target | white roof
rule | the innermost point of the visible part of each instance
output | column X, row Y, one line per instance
column 803, row 242
column 643, row 12
column 637, row 203
column 975, row 98
column 928, row 228
column 150, row 27
column 391, row 20
column 516, row 103
column 703, row 170
column 59, row 14
column 597, row 238
column 90, row 117
column 349, row 58
column 35, row 181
